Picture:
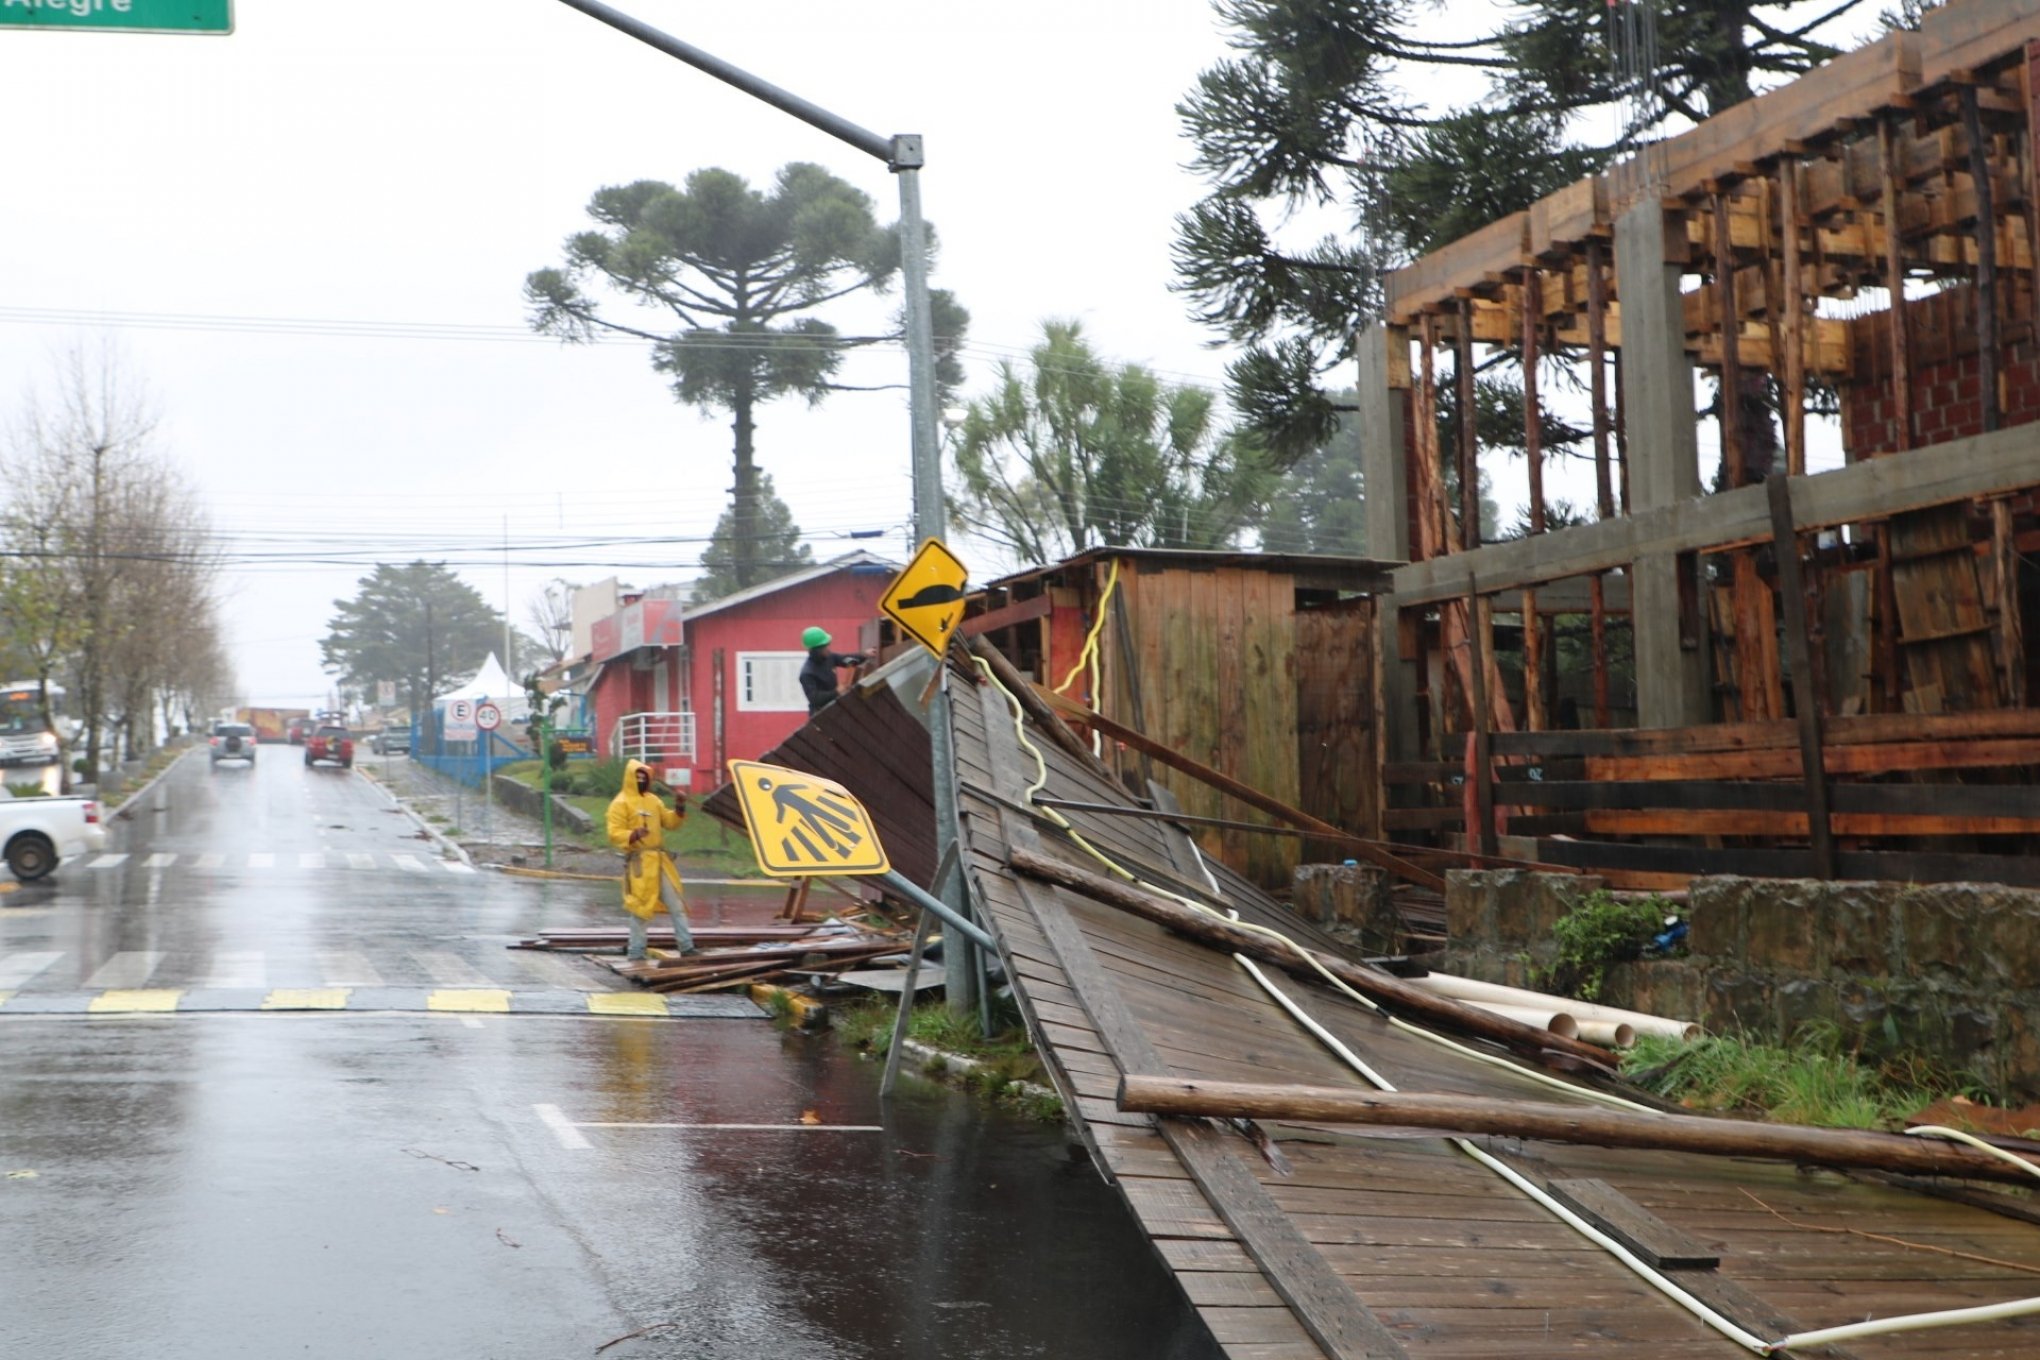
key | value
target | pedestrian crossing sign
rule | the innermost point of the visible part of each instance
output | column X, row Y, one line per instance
column 926, row 599
column 805, row 826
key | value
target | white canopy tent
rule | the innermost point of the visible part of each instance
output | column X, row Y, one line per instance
column 491, row 682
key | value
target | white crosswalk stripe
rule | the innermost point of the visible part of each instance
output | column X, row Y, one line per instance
column 209, row 861
column 16, row 969
column 312, row 859
column 263, row 861
column 450, row 970
column 162, row 859
column 360, row 860
column 410, row 864
column 108, row 861
column 129, row 968
column 238, row 968
column 454, row 866
column 347, row 968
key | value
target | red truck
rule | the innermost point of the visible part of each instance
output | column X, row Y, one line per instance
column 331, row 743
column 270, row 724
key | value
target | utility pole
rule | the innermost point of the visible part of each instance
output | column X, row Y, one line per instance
column 903, row 155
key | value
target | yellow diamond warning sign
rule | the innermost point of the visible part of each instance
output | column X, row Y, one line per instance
column 926, row 600
column 802, row 824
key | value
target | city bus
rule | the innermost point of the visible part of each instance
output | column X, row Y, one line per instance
column 30, row 753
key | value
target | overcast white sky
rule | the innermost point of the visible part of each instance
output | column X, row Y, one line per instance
column 409, row 164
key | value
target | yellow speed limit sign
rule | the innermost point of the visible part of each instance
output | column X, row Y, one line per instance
column 926, row 600
column 802, row 825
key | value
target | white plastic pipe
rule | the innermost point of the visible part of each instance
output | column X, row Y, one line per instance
column 1537, row 1017
column 1608, row 1033
column 1472, row 989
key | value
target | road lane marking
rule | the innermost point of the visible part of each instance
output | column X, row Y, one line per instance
column 471, row 1022
column 450, row 970
column 626, row 1003
column 306, row 999
column 410, row 864
column 237, row 968
column 359, row 860
column 741, row 1128
column 312, row 859
column 492, row 1000
column 550, row 968
column 16, row 969
column 262, row 861
column 454, row 866
column 562, row 1127
column 162, row 859
column 347, row 968
column 129, row 968
column 122, row 1001
column 109, row 861
column 209, row 861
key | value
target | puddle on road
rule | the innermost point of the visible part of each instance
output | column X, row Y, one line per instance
column 959, row 1231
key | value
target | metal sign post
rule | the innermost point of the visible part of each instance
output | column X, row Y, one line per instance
column 488, row 718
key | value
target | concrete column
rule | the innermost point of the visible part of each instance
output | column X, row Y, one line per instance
column 1664, row 464
column 1384, row 386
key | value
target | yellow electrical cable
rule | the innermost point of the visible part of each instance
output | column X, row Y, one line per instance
column 1089, row 655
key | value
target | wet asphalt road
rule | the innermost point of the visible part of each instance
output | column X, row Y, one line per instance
column 240, row 1183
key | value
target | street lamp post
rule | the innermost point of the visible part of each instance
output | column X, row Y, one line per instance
column 904, row 156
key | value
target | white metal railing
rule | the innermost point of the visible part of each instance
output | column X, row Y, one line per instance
column 655, row 738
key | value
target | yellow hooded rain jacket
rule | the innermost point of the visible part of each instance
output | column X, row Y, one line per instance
column 642, row 865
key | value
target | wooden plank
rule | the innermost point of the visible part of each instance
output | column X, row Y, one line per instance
column 1320, row 1298
column 1794, row 824
column 2019, row 802
column 1805, row 692
column 1959, row 470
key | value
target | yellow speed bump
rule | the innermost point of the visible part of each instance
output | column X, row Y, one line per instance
column 122, row 1001
column 307, row 999
column 626, row 1003
column 492, row 999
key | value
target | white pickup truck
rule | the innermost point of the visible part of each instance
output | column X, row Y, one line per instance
column 38, row 834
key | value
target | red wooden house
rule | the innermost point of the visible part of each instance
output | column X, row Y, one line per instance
column 690, row 688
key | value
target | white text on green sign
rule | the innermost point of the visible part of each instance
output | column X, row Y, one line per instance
column 121, row 16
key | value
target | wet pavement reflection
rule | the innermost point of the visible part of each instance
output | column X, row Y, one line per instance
column 431, row 1185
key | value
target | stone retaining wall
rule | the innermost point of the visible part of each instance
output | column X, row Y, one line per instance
column 1355, row 895
column 1948, row 971
column 521, row 797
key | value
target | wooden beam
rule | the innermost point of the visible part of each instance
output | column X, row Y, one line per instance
column 1551, row 1122
column 1794, row 329
column 1986, row 257
column 1469, row 433
column 1390, row 991
column 1894, row 282
column 2011, row 625
column 1534, row 715
column 1482, row 775
column 1226, row 784
column 1805, row 688
column 1733, row 455
column 1962, row 469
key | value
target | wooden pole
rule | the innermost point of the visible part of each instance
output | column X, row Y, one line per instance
column 2011, row 628
column 1734, row 468
column 1793, row 333
column 1482, row 775
column 1894, row 282
column 1143, row 1093
column 1604, row 481
column 1469, row 434
column 1986, row 257
column 1805, row 687
column 1534, row 715
column 1621, row 435
column 1378, row 986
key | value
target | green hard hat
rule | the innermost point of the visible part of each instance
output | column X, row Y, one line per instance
column 814, row 637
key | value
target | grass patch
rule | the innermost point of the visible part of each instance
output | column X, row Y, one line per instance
column 26, row 791
column 1813, row 1081
column 1003, row 1060
column 1602, row 929
column 701, row 845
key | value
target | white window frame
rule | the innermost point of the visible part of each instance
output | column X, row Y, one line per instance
column 794, row 701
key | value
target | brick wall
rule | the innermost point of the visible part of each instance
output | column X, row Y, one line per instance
column 1947, row 385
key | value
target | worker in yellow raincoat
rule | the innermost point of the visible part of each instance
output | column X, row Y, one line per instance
column 638, row 823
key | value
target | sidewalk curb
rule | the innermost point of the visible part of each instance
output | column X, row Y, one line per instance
column 432, row 832
column 127, row 803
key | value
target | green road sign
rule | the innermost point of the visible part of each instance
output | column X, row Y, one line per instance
column 121, row 16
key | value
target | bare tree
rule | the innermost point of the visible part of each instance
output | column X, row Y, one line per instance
column 551, row 612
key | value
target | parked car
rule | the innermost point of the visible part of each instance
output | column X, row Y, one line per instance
column 330, row 743
column 391, row 741
column 40, row 833
column 299, row 729
column 232, row 741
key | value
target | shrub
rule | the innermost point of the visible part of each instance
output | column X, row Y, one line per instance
column 1603, row 929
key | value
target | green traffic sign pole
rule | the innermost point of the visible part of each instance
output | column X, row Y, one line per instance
column 545, row 780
